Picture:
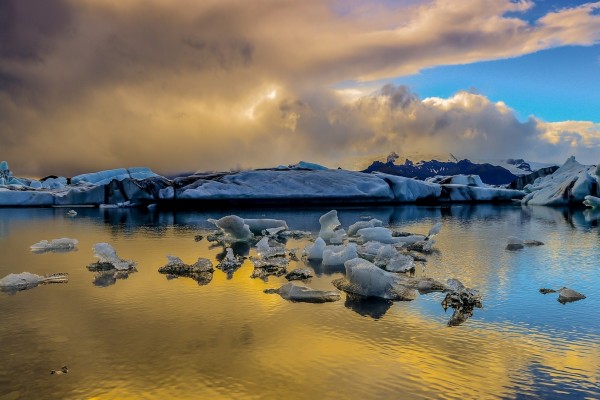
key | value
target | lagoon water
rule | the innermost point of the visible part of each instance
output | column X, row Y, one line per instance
column 152, row 338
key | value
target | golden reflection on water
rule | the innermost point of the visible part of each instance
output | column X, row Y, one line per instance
column 148, row 337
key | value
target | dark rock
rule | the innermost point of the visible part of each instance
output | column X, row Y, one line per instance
column 463, row 300
column 201, row 271
column 299, row 274
column 567, row 295
column 546, row 291
column 265, row 267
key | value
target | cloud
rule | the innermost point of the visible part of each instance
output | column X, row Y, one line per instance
column 180, row 85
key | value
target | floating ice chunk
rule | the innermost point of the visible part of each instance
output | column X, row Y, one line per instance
column 292, row 292
column 365, row 279
column 265, row 250
column 71, row 213
column 106, row 254
column 230, row 263
column 435, row 229
column 234, row 228
column 369, row 250
column 354, row 228
column 329, row 223
column 591, row 201
column 256, row 226
column 201, row 271
column 62, row 244
column 338, row 255
column 338, row 237
column 26, row 280
column 462, row 300
column 378, row 234
column 273, row 231
column 391, row 260
column 315, row 251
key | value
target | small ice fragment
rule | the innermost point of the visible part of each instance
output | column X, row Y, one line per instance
column 62, row 244
column 106, row 254
column 234, row 228
column 315, row 251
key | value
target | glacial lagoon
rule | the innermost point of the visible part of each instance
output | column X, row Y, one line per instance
column 150, row 337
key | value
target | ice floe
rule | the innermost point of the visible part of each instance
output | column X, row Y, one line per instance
column 55, row 245
column 13, row 283
column 296, row 293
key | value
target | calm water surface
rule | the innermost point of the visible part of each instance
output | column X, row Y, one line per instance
column 153, row 338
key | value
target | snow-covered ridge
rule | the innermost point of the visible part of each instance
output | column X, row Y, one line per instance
column 140, row 186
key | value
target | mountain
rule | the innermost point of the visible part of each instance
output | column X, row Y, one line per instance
column 490, row 174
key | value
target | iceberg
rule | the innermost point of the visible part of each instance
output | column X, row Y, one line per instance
column 354, row 228
column 108, row 259
column 230, row 263
column 435, row 229
column 58, row 245
column 119, row 174
column 365, row 279
column 591, row 201
column 257, row 226
column 407, row 190
column 329, row 223
column 265, row 250
column 296, row 293
column 13, row 283
column 569, row 184
column 234, row 228
column 315, row 251
column 378, row 234
column 338, row 255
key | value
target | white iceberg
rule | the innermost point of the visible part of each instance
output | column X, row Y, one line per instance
column 106, row 254
column 315, row 251
column 435, row 229
column 234, row 228
column 569, row 184
column 378, row 234
column 265, row 250
column 256, row 226
column 329, row 223
column 355, row 227
column 591, row 201
column 62, row 244
column 338, row 255
column 365, row 279
column 119, row 174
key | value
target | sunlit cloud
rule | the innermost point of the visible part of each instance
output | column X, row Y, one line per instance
column 185, row 85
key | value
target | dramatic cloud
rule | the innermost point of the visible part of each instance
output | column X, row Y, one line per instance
column 183, row 85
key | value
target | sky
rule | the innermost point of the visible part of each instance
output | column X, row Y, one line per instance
column 186, row 85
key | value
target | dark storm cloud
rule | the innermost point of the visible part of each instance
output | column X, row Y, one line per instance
column 183, row 84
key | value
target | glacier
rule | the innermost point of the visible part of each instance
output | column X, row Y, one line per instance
column 570, row 184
